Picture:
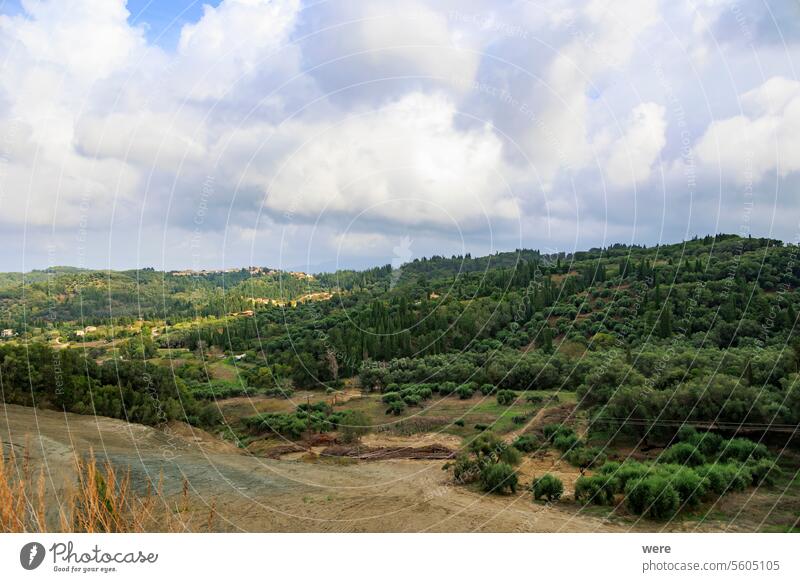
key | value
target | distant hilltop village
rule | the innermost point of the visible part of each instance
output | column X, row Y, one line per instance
column 251, row 270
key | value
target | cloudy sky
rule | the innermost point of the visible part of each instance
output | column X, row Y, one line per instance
column 316, row 134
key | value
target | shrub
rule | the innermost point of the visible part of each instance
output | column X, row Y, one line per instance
column 459, row 422
column 464, row 392
column 481, row 427
column 527, row 443
column 609, row 468
column 566, row 442
column 652, row 496
column 510, row 455
column 411, row 399
column 353, row 425
column 534, row 398
column 687, row 434
column 742, row 450
column 519, row 419
column 465, row 469
column 506, row 397
column 683, row 454
column 764, row 472
column 585, row 457
column 396, row 407
column 547, row 486
column 551, row 431
column 487, row 389
column 627, row 472
column 499, row 478
column 491, row 448
column 721, row 478
column 598, row 489
column 390, row 397
column 707, row 443
column 289, row 425
column 691, row 488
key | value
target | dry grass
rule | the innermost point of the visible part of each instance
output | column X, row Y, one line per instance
column 99, row 499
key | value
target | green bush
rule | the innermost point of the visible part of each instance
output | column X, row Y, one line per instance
column 585, row 457
column 506, row 397
column 510, row 455
column 390, row 397
column 683, row 454
column 742, row 450
column 548, row 487
column 411, row 399
column 491, row 448
column 652, row 496
column 464, row 392
column 465, row 469
column 598, row 489
column 487, row 389
column 499, row 478
column 353, row 424
column 527, row 443
column 459, row 422
column 691, row 488
column 609, row 468
column 630, row 471
column 396, row 407
column 552, row 431
column 721, row 478
column 566, row 442
column 687, row 434
column 707, row 443
column 764, row 472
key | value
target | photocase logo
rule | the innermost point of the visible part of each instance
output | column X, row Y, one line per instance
column 31, row 555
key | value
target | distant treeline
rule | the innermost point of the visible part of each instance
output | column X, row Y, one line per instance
column 37, row 375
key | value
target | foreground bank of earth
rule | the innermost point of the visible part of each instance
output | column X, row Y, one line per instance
column 257, row 494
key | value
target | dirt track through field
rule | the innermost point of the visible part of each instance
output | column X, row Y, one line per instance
column 259, row 494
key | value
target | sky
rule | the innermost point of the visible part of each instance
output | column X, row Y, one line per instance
column 317, row 135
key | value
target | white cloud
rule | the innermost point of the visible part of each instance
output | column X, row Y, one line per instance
column 404, row 163
column 765, row 139
column 414, row 118
column 233, row 40
column 52, row 56
column 362, row 51
column 634, row 153
column 601, row 40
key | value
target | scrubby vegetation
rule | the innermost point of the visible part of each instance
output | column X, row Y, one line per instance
column 678, row 347
column 547, row 487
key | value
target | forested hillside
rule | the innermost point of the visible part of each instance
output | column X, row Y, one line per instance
column 647, row 338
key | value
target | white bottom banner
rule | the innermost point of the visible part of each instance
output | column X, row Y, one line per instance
column 370, row 557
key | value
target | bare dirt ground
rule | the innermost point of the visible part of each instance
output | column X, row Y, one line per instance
column 308, row 493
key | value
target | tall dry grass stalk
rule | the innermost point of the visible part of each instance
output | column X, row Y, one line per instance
column 97, row 500
column 21, row 504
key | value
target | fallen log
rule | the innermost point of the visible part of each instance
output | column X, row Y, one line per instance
column 365, row 453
